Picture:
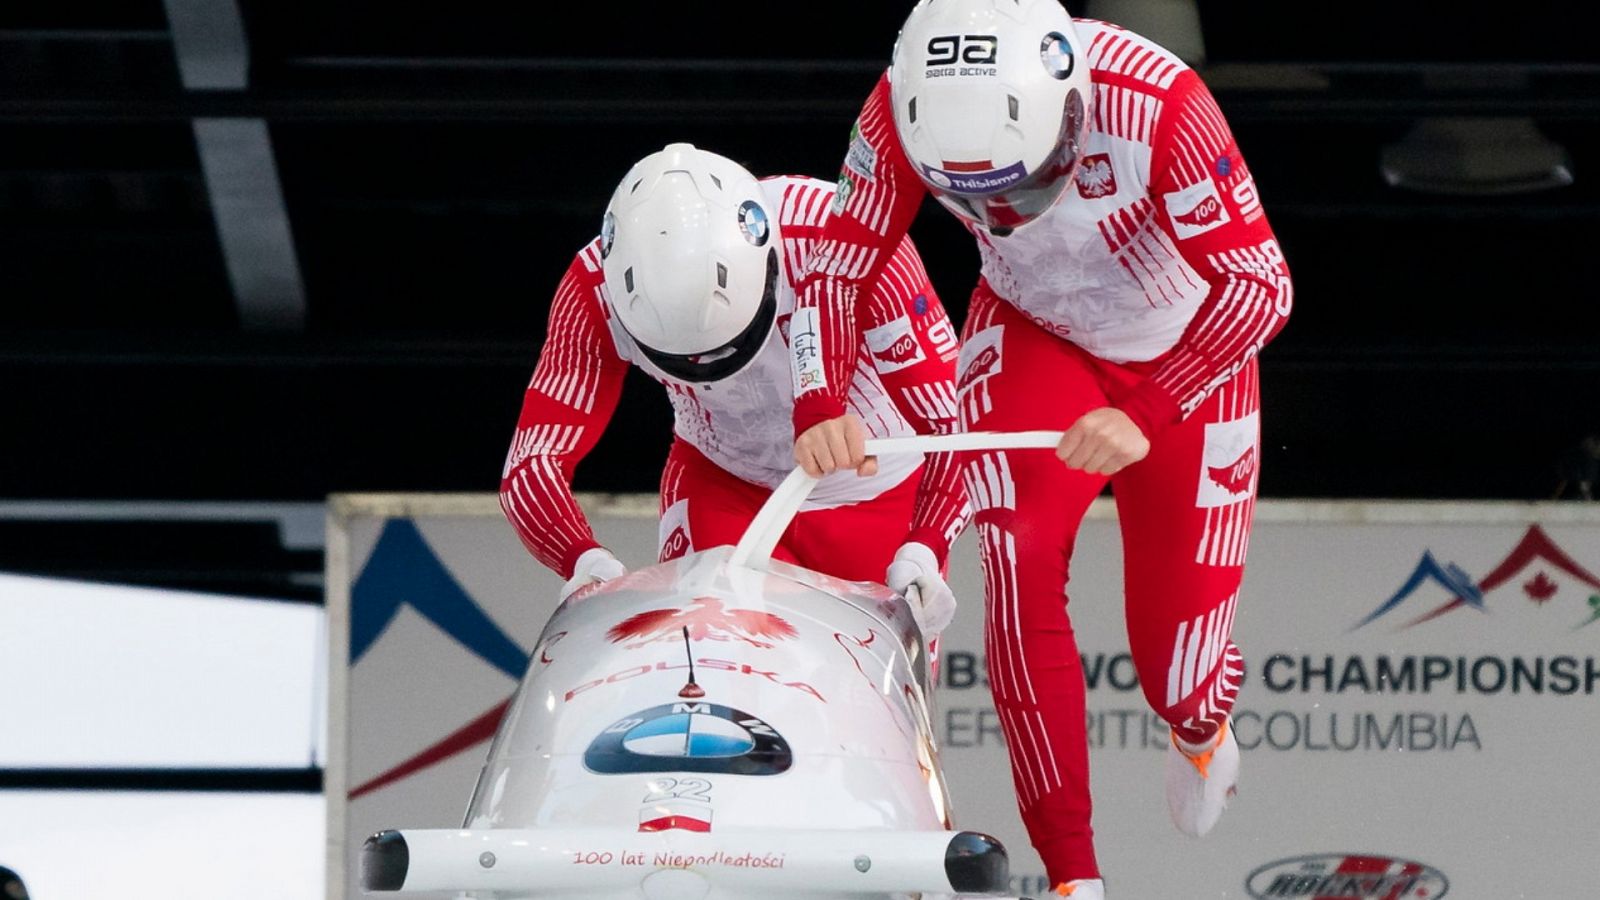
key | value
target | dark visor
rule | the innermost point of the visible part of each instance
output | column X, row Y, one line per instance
column 719, row 363
column 1020, row 203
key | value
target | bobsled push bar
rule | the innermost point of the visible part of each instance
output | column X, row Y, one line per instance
column 766, row 529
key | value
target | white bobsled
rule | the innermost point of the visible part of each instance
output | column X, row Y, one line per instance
column 719, row 726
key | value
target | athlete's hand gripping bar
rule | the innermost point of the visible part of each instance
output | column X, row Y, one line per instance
column 754, row 550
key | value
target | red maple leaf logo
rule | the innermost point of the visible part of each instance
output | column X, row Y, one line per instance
column 1540, row 589
column 1235, row 476
column 707, row 620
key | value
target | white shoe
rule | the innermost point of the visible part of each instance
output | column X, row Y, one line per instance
column 1201, row 780
column 1081, row 889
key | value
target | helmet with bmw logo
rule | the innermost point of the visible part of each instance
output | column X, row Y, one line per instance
column 689, row 249
column 991, row 101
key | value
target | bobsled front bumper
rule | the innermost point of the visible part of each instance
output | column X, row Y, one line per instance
column 577, row 862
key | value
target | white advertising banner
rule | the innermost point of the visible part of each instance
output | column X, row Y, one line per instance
column 1419, row 717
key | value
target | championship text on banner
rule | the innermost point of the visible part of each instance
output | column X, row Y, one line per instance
column 1418, row 719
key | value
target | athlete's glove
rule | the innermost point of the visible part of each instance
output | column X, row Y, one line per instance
column 914, row 574
column 594, row 566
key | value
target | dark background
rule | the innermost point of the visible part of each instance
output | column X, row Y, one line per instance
column 440, row 163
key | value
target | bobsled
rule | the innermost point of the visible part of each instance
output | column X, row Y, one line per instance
column 723, row 725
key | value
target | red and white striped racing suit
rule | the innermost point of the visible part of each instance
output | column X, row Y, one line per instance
column 731, row 443
column 1149, row 287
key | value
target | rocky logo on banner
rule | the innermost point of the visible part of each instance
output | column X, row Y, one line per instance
column 1355, row 876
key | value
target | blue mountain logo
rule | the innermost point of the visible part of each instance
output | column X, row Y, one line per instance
column 404, row 571
column 1536, row 547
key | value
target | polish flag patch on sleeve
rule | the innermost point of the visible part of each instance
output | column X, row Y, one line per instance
column 1196, row 209
column 893, row 346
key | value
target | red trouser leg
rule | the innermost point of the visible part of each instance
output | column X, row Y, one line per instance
column 703, row 506
column 1027, row 507
column 855, row 542
column 1185, row 513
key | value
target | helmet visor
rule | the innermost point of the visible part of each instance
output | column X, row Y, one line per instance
column 728, row 359
column 1004, row 199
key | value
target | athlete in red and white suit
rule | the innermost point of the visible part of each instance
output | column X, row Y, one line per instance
column 731, row 439
column 1132, row 310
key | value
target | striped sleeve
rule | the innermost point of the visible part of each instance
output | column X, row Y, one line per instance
column 913, row 347
column 569, row 401
column 1206, row 200
column 877, row 197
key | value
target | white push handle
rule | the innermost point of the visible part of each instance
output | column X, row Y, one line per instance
column 754, row 549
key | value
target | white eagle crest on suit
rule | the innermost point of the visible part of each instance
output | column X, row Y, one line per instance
column 1095, row 178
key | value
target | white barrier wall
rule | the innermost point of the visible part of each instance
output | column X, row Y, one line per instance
column 1420, row 715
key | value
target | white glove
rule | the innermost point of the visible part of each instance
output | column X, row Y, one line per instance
column 914, row 574
column 594, row 566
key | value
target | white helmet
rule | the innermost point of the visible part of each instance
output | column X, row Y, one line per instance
column 691, row 262
column 991, row 101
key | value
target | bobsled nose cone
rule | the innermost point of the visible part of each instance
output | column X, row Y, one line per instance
column 384, row 861
column 976, row 863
